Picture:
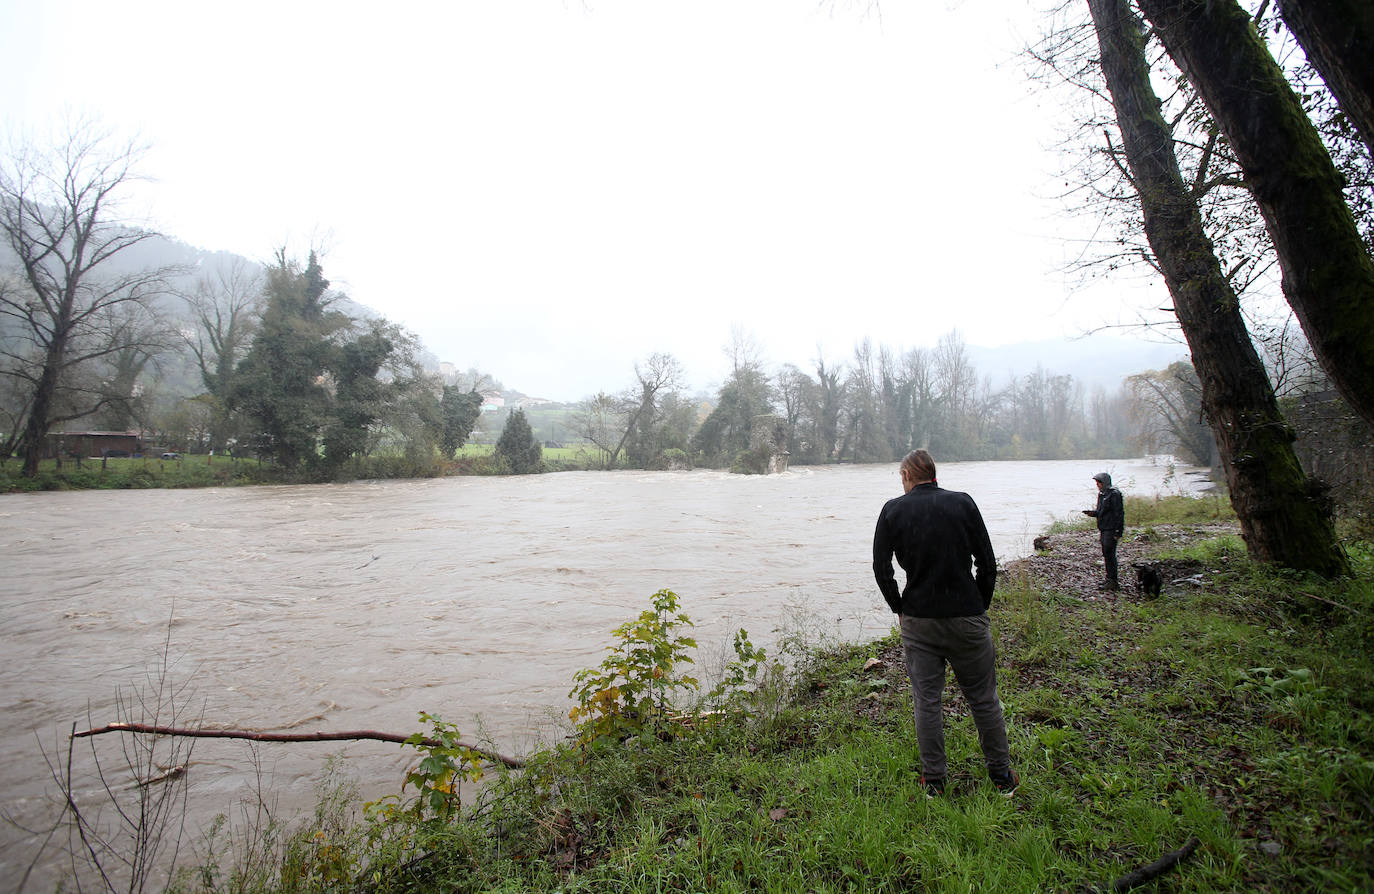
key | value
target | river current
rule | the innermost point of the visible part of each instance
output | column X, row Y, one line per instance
column 356, row 606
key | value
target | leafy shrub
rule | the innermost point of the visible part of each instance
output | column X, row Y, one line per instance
column 437, row 778
column 630, row 691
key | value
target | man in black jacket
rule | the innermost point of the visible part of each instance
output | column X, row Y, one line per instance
column 934, row 534
column 1111, row 524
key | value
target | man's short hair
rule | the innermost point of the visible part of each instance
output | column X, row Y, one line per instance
column 920, row 464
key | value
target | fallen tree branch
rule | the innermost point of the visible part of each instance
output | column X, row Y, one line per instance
column 1157, row 868
column 348, row 735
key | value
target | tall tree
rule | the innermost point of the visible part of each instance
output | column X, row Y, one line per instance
column 724, row 434
column 1283, row 519
column 1328, row 274
column 956, row 383
column 358, row 399
column 866, row 434
column 656, row 379
column 793, row 388
column 919, row 397
column 601, row 420
column 628, row 421
column 122, row 375
column 1168, row 412
column 280, row 385
column 459, row 411
column 58, row 216
column 827, row 407
column 224, row 308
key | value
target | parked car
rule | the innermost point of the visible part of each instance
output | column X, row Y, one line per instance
column 171, row 456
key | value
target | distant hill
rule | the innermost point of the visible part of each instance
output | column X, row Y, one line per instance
column 161, row 251
column 1095, row 360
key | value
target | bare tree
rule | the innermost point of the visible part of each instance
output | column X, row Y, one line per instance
column 613, row 421
column 224, row 308
column 1168, row 413
column 601, row 420
column 865, row 431
column 918, row 374
column 829, row 408
column 744, row 351
column 57, row 210
column 956, row 383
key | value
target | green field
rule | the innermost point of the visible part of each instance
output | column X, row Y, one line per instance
column 135, row 472
column 224, row 471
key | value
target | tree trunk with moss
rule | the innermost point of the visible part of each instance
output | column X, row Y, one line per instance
column 1284, row 517
column 1328, row 275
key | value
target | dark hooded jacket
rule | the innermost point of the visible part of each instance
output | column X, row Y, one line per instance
column 1110, row 512
column 935, row 534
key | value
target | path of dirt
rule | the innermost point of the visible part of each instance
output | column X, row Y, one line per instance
column 1072, row 562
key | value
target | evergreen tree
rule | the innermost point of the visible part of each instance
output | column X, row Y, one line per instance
column 279, row 386
column 358, row 395
column 458, row 414
column 517, row 447
column 725, row 432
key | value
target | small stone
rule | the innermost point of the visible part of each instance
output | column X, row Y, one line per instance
column 1272, row 848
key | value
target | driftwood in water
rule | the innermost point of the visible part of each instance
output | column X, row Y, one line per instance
column 1157, row 868
column 349, row 735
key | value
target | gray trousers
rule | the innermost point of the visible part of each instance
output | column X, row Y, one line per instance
column 966, row 645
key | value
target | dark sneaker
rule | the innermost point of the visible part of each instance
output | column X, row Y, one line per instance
column 1006, row 783
column 934, row 788
column 1109, row 585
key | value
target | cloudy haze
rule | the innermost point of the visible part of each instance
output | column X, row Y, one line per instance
column 550, row 191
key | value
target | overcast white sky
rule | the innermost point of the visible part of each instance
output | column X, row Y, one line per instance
column 552, row 190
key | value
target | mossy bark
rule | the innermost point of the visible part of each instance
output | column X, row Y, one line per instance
column 1283, row 516
column 1328, row 275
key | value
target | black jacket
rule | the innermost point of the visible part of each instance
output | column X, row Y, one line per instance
column 1110, row 513
column 934, row 533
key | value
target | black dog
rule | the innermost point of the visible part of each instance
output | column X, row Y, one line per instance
column 1148, row 579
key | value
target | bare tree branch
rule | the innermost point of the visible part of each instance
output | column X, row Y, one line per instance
column 348, row 735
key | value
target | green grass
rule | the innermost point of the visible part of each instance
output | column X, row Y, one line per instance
column 223, row 471
column 581, row 456
column 1143, row 512
column 1240, row 713
column 130, row 472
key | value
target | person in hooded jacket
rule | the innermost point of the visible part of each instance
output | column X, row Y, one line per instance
column 937, row 537
column 1111, row 524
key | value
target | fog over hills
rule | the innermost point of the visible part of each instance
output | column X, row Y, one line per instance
column 1098, row 360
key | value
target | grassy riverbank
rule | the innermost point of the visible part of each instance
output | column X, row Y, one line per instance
column 1237, row 709
column 222, row 471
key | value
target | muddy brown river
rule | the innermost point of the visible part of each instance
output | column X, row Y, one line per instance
column 356, row 606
